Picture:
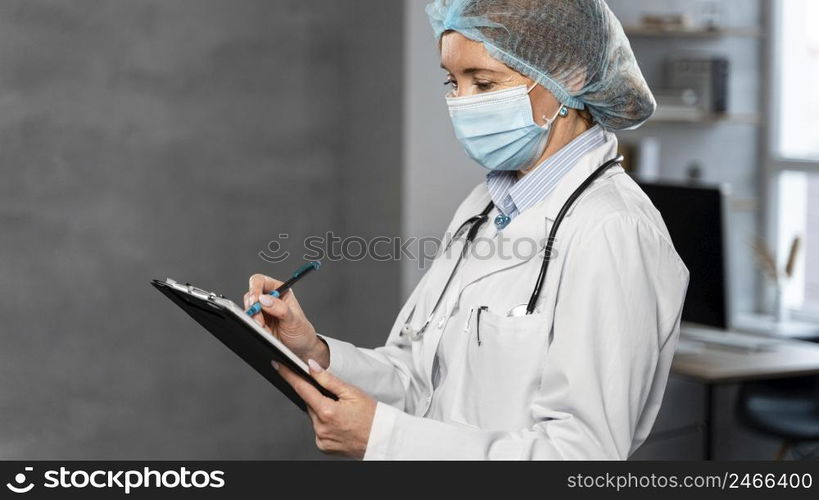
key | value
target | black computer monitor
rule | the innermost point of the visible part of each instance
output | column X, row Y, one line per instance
column 694, row 217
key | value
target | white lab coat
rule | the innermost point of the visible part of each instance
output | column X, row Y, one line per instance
column 582, row 378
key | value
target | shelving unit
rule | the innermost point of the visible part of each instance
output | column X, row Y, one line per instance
column 699, row 33
column 714, row 149
column 711, row 119
column 668, row 125
column 645, row 31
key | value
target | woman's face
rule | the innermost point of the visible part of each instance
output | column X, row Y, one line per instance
column 471, row 70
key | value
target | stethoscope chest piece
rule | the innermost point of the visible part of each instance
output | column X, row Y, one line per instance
column 414, row 334
column 411, row 333
column 407, row 330
column 518, row 311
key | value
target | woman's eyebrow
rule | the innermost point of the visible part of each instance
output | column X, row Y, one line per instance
column 470, row 71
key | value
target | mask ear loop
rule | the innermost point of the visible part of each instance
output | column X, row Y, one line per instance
column 562, row 111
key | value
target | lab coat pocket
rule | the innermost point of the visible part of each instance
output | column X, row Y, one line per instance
column 504, row 361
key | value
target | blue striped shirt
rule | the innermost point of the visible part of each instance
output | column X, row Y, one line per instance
column 512, row 196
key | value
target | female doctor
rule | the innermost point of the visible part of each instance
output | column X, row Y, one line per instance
column 511, row 347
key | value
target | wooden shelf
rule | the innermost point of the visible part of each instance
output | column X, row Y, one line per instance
column 643, row 31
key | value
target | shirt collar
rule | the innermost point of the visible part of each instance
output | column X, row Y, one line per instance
column 513, row 196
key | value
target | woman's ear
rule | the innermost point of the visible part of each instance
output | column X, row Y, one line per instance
column 586, row 116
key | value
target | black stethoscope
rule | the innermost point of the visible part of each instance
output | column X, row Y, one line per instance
column 476, row 222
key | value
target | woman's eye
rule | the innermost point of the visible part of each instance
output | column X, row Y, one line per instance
column 452, row 83
column 484, row 86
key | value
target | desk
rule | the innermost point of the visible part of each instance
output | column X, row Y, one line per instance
column 763, row 324
column 719, row 365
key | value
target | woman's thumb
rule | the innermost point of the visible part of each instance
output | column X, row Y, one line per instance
column 274, row 307
column 326, row 379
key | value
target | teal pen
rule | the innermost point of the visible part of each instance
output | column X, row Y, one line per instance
column 297, row 275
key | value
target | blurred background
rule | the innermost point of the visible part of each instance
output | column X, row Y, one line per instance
column 148, row 139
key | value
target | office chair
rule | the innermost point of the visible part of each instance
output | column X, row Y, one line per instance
column 787, row 409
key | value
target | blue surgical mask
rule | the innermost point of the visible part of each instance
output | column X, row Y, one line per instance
column 497, row 129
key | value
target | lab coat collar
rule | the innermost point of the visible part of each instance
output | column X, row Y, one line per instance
column 578, row 174
column 532, row 225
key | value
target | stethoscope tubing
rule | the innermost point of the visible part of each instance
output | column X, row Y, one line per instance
column 547, row 255
column 479, row 220
column 476, row 222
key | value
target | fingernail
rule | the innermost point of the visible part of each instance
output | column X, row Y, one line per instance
column 266, row 300
column 314, row 366
column 275, row 365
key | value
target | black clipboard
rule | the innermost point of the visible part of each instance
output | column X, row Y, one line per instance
column 228, row 322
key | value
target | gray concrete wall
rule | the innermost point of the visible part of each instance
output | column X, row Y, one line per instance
column 153, row 138
column 372, row 175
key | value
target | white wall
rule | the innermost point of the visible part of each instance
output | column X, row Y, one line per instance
column 438, row 174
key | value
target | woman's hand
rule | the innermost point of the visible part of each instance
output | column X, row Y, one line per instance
column 284, row 318
column 342, row 427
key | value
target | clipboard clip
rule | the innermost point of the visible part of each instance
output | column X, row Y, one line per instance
column 195, row 291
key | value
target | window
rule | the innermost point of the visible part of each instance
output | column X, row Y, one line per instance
column 799, row 80
column 799, row 218
column 794, row 159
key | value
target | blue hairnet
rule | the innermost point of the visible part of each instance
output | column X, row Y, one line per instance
column 575, row 48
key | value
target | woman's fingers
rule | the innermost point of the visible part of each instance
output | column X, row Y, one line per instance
column 327, row 379
column 314, row 399
column 275, row 307
column 260, row 284
column 313, row 417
